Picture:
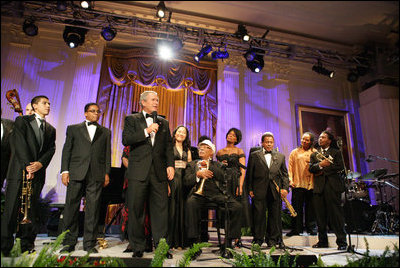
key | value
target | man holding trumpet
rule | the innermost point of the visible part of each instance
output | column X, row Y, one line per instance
column 208, row 175
column 326, row 164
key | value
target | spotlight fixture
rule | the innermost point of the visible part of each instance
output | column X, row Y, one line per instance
column 254, row 59
column 220, row 54
column 74, row 36
column 108, row 33
column 203, row 52
column 161, row 9
column 30, row 28
column 321, row 70
column 61, row 5
column 168, row 46
column 242, row 33
column 86, row 4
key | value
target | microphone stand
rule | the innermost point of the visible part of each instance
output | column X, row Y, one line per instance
column 350, row 247
column 371, row 157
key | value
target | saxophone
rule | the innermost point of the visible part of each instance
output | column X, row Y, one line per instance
column 288, row 205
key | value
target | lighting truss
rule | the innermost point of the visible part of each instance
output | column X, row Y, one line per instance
column 46, row 11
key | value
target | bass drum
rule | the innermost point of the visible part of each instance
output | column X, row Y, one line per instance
column 359, row 216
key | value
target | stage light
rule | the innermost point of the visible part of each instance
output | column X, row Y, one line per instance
column 74, row 36
column 352, row 76
column 220, row 54
column 108, row 33
column 254, row 59
column 30, row 28
column 203, row 52
column 85, row 4
column 61, row 5
column 161, row 9
column 242, row 33
column 321, row 70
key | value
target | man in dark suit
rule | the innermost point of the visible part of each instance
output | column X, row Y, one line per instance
column 151, row 164
column 85, row 169
column 6, row 130
column 33, row 146
column 265, row 167
column 214, row 191
column 328, row 187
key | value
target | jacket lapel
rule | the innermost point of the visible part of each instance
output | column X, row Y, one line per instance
column 97, row 134
column 274, row 160
column 143, row 124
column 260, row 154
column 84, row 131
column 35, row 129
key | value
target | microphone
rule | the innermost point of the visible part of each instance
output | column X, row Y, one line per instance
column 154, row 116
column 369, row 158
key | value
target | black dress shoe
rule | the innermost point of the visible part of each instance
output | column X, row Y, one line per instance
column 342, row 247
column 67, row 249
column 128, row 249
column 169, row 255
column 92, row 250
column 281, row 245
column 292, row 233
column 311, row 232
column 137, row 254
column 320, row 245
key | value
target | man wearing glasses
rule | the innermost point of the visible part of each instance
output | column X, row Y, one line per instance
column 85, row 169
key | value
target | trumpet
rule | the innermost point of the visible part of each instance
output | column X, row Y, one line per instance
column 293, row 213
column 321, row 157
column 202, row 166
column 26, row 194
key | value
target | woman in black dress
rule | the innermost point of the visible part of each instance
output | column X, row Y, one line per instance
column 235, row 160
column 182, row 154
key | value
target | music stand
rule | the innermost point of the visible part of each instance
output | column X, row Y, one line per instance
column 350, row 247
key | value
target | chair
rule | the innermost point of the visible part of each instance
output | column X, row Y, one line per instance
column 217, row 220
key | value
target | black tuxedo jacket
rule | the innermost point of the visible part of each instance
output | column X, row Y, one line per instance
column 330, row 175
column 260, row 176
column 79, row 152
column 212, row 186
column 25, row 147
column 142, row 153
column 8, row 126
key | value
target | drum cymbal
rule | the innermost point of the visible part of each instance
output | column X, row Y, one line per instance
column 353, row 175
column 377, row 173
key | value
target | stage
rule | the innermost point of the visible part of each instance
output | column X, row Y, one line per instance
column 300, row 245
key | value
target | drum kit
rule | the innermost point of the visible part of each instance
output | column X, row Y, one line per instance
column 360, row 215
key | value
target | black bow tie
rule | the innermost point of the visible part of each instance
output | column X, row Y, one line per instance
column 92, row 123
column 268, row 152
column 149, row 115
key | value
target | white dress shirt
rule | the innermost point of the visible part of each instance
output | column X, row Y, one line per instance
column 267, row 158
column 38, row 118
column 149, row 121
column 91, row 129
column 2, row 131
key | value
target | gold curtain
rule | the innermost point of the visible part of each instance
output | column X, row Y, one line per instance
column 192, row 101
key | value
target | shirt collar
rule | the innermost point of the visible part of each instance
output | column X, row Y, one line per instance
column 37, row 116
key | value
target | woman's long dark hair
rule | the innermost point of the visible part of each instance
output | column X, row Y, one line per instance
column 186, row 143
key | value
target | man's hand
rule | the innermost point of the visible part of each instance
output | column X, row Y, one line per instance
column 169, row 190
column 34, row 166
column 324, row 163
column 205, row 174
column 170, row 173
column 152, row 128
column 251, row 193
column 30, row 176
column 284, row 193
column 106, row 180
column 65, row 178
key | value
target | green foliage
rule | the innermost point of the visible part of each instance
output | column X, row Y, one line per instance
column 160, row 254
column 188, row 255
column 387, row 259
column 48, row 258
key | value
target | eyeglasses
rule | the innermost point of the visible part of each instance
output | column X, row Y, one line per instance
column 95, row 111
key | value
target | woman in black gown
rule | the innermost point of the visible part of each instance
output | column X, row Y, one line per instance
column 182, row 155
column 235, row 160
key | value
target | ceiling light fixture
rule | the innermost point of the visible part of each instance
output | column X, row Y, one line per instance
column 242, row 33
column 203, row 52
column 318, row 68
column 61, row 5
column 161, row 10
column 108, row 33
column 74, row 36
column 254, row 59
column 220, row 54
column 30, row 28
column 85, row 4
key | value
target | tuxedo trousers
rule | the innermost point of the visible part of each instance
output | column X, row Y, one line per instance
column 155, row 192
column 92, row 190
